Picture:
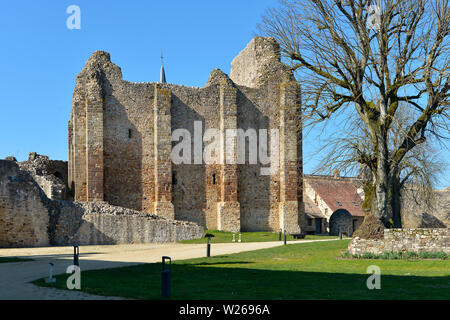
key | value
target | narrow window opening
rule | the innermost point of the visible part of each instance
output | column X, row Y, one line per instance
column 214, row 178
column 129, row 133
column 174, row 178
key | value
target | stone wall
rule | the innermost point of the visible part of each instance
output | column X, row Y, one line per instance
column 258, row 63
column 395, row 240
column 28, row 218
column 23, row 213
column 89, row 223
column 416, row 213
column 51, row 175
column 130, row 166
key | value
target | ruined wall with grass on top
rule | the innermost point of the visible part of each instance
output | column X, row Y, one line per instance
column 90, row 223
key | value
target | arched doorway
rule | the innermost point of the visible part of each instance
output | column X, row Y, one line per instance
column 341, row 220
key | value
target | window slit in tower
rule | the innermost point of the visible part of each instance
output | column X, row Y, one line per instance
column 214, row 178
column 174, row 178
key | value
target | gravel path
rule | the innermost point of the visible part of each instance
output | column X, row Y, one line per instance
column 15, row 277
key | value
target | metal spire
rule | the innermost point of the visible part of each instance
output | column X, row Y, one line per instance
column 162, row 76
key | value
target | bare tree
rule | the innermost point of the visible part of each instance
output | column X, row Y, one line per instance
column 366, row 57
column 417, row 173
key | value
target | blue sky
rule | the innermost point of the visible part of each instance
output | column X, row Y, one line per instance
column 41, row 57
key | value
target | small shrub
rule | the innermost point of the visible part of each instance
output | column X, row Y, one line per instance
column 400, row 255
column 391, row 255
column 441, row 255
column 412, row 255
column 425, row 255
column 369, row 255
column 433, row 255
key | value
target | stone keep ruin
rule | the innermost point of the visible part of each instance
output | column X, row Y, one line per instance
column 120, row 143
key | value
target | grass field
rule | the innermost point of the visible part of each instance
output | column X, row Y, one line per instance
column 13, row 259
column 224, row 237
column 295, row 271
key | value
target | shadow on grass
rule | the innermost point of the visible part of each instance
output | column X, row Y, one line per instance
column 13, row 259
column 219, row 263
column 203, row 281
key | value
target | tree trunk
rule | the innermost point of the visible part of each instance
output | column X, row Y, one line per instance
column 395, row 202
column 382, row 181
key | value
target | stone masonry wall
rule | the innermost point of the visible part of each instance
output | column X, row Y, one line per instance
column 416, row 213
column 259, row 63
column 395, row 240
column 51, row 175
column 89, row 223
column 23, row 214
column 28, row 218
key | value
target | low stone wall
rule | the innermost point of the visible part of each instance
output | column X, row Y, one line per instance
column 100, row 223
column 396, row 240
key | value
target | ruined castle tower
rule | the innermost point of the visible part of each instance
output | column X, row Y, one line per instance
column 120, row 143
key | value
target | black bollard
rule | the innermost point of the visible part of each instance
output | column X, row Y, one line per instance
column 76, row 253
column 340, row 235
column 284, row 236
column 279, row 235
column 208, row 237
column 166, row 277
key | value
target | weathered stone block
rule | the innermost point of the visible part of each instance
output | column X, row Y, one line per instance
column 289, row 213
column 229, row 216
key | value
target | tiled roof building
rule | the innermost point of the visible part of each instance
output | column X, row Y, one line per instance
column 333, row 204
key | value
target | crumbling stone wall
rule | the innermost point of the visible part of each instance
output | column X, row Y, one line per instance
column 259, row 63
column 51, row 175
column 88, row 223
column 120, row 143
column 23, row 214
column 396, row 240
column 28, row 218
column 416, row 213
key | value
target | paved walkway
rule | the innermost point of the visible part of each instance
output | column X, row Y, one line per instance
column 15, row 277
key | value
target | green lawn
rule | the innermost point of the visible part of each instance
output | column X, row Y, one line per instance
column 223, row 237
column 13, row 259
column 295, row 271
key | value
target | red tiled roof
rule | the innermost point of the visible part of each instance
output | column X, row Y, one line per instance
column 338, row 194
